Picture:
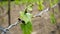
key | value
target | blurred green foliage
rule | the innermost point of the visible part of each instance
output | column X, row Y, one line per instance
column 52, row 18
column 53, row 2
column 40, row 5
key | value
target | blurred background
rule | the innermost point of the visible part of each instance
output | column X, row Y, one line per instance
column 9, row 13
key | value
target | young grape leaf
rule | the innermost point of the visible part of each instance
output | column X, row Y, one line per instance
column 26, row 17
column 27, row 27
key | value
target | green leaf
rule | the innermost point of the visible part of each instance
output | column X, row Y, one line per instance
column 26, row 17
column 27, row 27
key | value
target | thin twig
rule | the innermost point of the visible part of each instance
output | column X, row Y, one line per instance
column 41, row 12
column 12, row 25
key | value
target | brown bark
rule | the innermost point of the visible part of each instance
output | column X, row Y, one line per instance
column 9, row 18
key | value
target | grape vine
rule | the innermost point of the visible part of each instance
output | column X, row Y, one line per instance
column 26, row 25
